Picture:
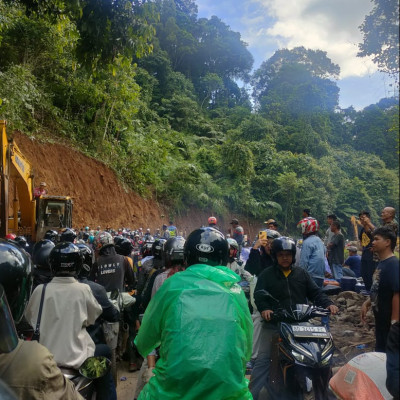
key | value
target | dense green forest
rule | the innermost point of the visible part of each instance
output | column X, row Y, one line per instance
column 152, row 90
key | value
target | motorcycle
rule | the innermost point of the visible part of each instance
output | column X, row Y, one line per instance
column 302, row 353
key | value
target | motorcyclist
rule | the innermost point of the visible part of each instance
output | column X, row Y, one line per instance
column 110, row 312
column 69, row 307
column 234, row 264
column 289, row 285
column 199, row 358
column 68, row 235
column 51, row 235
column 27, row 367
column 40, row 257
column 173, row 256
column 15, row 276
column 110, row 270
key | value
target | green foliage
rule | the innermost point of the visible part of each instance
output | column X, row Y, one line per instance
column 151, row 90
column 381, row 36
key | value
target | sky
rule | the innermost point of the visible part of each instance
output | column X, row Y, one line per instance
column 328, row 25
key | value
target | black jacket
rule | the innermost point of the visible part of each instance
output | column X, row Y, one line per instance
column 112, row 270
column 258, row 261
column 297, row 288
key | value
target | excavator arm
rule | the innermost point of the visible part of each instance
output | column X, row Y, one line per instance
column 16, row 168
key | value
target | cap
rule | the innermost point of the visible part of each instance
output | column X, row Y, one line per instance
column 352, row 249
column 234, row 221
column 42, row 184
column 270, row 221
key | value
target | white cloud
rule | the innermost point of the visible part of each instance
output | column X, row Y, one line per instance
column 328, row 25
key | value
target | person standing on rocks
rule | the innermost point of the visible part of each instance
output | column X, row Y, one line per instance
column 368, row 264
column 336, row 251
column 384, row 298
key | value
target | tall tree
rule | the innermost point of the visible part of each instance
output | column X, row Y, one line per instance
column 381, row 36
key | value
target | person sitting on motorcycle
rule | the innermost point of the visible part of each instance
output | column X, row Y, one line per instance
column 289, row 285
column 236, row 265
column 110, row 312
column 40, row 257
column 27, row 367
column 201, row 322
column 110, row 270
column 69, row 307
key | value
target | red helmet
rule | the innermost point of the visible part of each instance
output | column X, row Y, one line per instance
column 11, row 236
column 212, row 220
column 308, row 225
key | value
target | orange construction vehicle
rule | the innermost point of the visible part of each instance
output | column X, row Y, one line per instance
column 54, row 212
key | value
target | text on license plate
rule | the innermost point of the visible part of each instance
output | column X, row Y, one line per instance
column 298, row 328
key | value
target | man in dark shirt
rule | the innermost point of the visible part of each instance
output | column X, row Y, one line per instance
column 336, row 251
column 289, row 285
column 384, row 297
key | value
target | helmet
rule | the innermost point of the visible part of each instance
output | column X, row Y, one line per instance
column 206, row 246
column 233, row 245
column 308, row 225
column 65, row 259
column 40, row 253
column 8, row 333
column 102, row 239
column 283, row 243
column 157, row 248
column 212, row 220
column 85, row 236
column 11, row 236
column 68, row 235
column 87, row 255
column 123, row 246
column 147, row 248
column 271, row 234
column 86, row 228
column 117, row 239
column 22, row 242
column 15, row 276
column 51, row 235
column 173, row 251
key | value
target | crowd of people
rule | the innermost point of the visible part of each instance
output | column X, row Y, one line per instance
column 193, row 314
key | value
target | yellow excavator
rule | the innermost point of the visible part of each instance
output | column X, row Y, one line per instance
column 32, row 217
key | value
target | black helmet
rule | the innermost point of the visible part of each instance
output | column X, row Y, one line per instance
column 40, row 253
column 117, row 239
column 123, row 246
column 51, row 235
column 8, row 333
column 173, row 251
column 65, row 259
column 15, row 276
column 283, row 243
column 68, row 235
column 22, row 242
column 206, row 246
column 85, row 236
column 157, row 248
column 87, row 255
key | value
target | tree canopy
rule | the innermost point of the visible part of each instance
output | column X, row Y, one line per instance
column 153, row 91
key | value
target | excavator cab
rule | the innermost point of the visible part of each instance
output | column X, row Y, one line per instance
column 54, row 212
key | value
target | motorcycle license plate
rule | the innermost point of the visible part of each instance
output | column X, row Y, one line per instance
column 310, row 331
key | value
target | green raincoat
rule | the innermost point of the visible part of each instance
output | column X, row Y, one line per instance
column 201, row 320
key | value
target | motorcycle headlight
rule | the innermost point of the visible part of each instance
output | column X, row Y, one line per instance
column 299, row 357
column 327, row 348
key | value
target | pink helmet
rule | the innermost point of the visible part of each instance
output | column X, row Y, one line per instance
column 212, row 220
column 308, row 225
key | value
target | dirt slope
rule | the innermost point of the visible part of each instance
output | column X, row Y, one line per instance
column 99, row 199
